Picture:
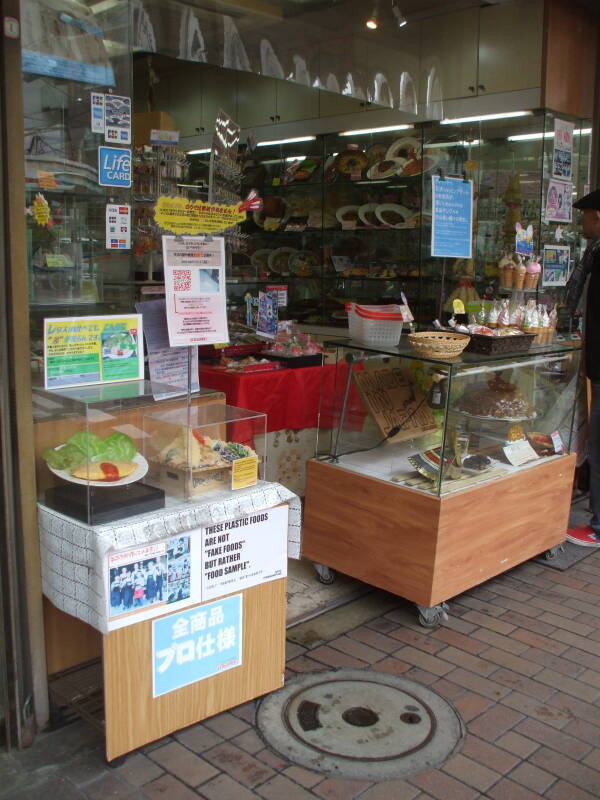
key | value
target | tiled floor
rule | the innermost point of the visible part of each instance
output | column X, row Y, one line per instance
column 519, row 658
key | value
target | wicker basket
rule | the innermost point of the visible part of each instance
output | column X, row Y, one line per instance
column 438, row 344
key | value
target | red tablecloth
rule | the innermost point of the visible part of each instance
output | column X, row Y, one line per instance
column 289, row 397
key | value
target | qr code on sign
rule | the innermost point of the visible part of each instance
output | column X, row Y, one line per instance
column 182, row 280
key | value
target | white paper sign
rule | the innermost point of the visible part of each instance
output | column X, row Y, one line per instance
column 520, row 452
column 166, row 138
column 97, row 112
column 117, row 119
column 558, row 201
column 194, row 268
column 118, row 226
column 244, row 552
column 170, row 366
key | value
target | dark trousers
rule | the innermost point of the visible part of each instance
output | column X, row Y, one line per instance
column 594, row 456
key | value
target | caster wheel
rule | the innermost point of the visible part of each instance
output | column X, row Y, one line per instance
column 325, row 575
column 117, row 762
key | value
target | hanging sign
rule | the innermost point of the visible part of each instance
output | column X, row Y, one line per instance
column 556, row 262
column 86, row 350
column 117, row 119
column 114, row 166
column 558, row 201
column 46, row 180
column 452, row 217
column 41, row 210
column 194, row 268
column 180, row 215
column 562, row 149
column 196, row 644
column 118, row 226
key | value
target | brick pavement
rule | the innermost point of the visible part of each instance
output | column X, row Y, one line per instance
column 519, row 658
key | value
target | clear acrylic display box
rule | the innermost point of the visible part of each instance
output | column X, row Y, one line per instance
column 191, row 453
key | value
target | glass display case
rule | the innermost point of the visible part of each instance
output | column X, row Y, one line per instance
column 439, row 426
column 91, row 447
column 193, row 454
column 434, row 475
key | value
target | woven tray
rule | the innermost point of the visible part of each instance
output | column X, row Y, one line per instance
column 496, row 345
column 438, row 344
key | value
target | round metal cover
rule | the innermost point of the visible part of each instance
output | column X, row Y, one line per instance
column 360, row 725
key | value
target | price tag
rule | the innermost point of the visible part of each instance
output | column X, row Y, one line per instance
column 520, row 452
column 557, row 442
column 244, row 472
column 55, row 260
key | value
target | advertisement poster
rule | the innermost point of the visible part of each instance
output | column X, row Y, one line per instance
column 196, row 644
column 117, row 119
column 267, row 315
column 97, row 112
column 244, row 552
column 118, row 227
column 452, row 217
column 167, row 365
column 523, row 239
column 558, row 201
column 556, row 264
column 86, row 350
column 562, row 149
column 194, row 269
column 114, row 167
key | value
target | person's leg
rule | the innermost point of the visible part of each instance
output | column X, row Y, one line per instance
column 594, row 456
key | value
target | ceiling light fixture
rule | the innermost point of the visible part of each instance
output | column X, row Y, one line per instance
column 198, row 152
column 287, row 141
column 372, row 22
column 461, row 143
column 531, row 137
column 400, row 18
column 485, row 117
column 364, row 131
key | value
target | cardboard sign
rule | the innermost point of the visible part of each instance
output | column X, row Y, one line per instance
column 394, row 401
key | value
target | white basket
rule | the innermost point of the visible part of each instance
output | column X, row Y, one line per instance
column 375, row 325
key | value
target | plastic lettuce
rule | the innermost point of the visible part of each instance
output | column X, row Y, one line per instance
column 116, row 447
column 68, row 457
column 88, row 443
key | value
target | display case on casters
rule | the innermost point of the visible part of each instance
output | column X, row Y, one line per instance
column 436, row 475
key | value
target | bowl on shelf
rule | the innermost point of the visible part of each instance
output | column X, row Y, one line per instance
column 438, row 344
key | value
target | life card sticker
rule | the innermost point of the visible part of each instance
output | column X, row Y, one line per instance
column 117, row 119
column 114, row 166
column 118, row 226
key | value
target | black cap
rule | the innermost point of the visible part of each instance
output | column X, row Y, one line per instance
column 591, row 200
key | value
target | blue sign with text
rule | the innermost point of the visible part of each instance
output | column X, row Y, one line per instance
column 196, row 644
column 114, row 166
column 452, row 217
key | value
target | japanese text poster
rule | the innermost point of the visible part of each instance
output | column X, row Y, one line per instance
column 86, row 350
column 562, row 150
column 557, row 259
column 196, row 644
column 194, row 268
column 452, row 217
column 558, row 201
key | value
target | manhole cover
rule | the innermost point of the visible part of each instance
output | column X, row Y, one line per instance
column 361, row 725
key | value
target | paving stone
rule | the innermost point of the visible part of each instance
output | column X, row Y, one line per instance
column 272, row 759
column 557, row 740
column 249, row 741
column 47, row 790
column 420, row 641
column 543, row 712
column 470, row 705
column 532, row 777
column 566, row 791
column 489, row 754
column 471, row 772
column 303, row 776
column 338, row 789
column 494, row 722
column 418, row 658
column 468, row 661
column 554, row 608
column 475, row 683
column 109, row 786
column 282, row 788
column 247, row 712
column 185, row 765
column 509, row 790
column 560, row 765
column 421, row 676
column 304, row 664
column 497, row 640
column 198, row 738
column 485, row 621
column 451, row 691
column 382, row 625
column 519, row 745
column 138, row 769
column 524, row 685
column 573, row 640
column 578, row 688
column 393, row 665
column 573, row 708
column 168, row 788
column 566, row 624
column 292, row 650
column 582, row 658
column 472, row 604
column 510, row 661
column 225, row 788
column 528, row 623
column 335, row 658
column 458, row 624
column 458, row 640
column 392, row 790
column 240, row 765
column 545, row 659
column 444, row 787
column 357, row 649
column 374, row 639
column 584, row 731
column 226, row 725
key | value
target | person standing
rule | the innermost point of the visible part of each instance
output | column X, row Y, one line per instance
column 150, row 583
column 588, row 270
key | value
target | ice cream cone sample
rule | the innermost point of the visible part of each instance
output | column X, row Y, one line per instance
column 533, row 271
column 520, row 273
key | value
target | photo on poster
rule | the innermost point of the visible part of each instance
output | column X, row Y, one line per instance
column 149, row 576
column 558, row 201
column 556, row 261
column 562, row 149
column 210, row 281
